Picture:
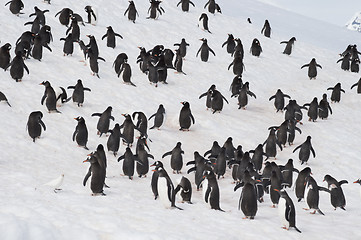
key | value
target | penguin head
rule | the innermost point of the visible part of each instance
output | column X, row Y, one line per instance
column 127, row 116
column 293, row 39
column 308, row 138
column 7, row 47
column 109, row 109
column 327, row 178
column 324, row 96
column 203, row 40
column 109, row 28
column 79, row 119
column 100, row 147
column 179, row 144
column 45, row 83
column 157, row 164
column 185, row 104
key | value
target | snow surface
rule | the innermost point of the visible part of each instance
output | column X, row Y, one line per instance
column 29, row 210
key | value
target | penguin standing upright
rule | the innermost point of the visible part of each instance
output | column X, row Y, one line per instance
column 128, row 130
column 155, row 177
column 204, row 50
column 185, row 5
column 178, row 63
column 68, row 48
column 17, row 67
column 185, row 117
column 104, row 120
column 75, row 29
column 201, row 164
column 243, row 96
column 345, row 65
column 256, row 48
column 155, row 10
column 34, row 125
column 92, row 17
column 45, row 35
column 158, row 117
column 312, row 194
column 126, row 73
column 78, row 94
column 209, row 96
column 143, row 162
column 182, row 47
column 186, row 187
column 355, row 65
column 266, row 30
column 324, row 107
column 292, row 131
column 279, row 100
column 37, row 51
column 287, row 211
column 142, row 123
column 65, row 15
column 289, row 44
column 248, row 201
column 5, row 55
column 114, row 139
column 211, row 194
column 359, row 182
column 358, row 84
column 230, row 44
column 287, row 173
column 166, row 189
column 337, row 196
column 119, row 61
column 204, row 19
column 15, row 6
column 238, row 65
column 128, row 164
column 336, row 92
column 93, row 62
column 110, row 35
column 312, row 68
column 50, row 97
column 214, row 151
column 257, row 158
column 236, row 85
column 176, row 160
column 271, row 142
column 97, row 171
column 132, row 12
column 313, row 109
column 305, row 150
column 220, row 163
column 217, row 101
column 300, row 183
column 81, row 133
column 212, row 6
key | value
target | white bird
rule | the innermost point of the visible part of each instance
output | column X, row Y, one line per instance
column 56, row 183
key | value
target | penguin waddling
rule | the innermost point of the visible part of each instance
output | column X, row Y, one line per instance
column 17, row 67
column 279, row 100
column 104, row 120
column 289, row 44
column 300, row 183
column 204, row 19
column 114, row 139
column 185, row 5
column 110, row 35
column 35, row 124
column 5, row 55
column 49, row 97
column 336, row 92
column 248, row 201
column 176, row 160
column 155, row 10
column 185, row 117
column 230, row 42
column 97, row 171
column 68, row 48
column 80, row 134
column 324, row 107
column 312, row 194
column 266, row 30
column 92, row 16
column 256, row 48
column 312, row 68
column 336, row 193
column 158, row 117
column 132, row 12
column 128, row 163
column 305, row 150
column 211, row 194
column 287, row 211
column 208, row 94
column 78, row 93
column 204, row 50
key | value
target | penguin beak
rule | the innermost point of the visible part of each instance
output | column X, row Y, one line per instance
column 276, row 190
column 154, row 170
column 182, row 102
column 356, row 181
column 86, row 161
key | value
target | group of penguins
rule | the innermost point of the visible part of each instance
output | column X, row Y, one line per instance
column 250, row 169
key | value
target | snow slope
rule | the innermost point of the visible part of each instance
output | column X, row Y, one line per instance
column 29, row 210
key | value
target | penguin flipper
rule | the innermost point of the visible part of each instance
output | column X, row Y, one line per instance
column 342, row 182
column 96, row 114
column 296, row 148
column 42, row 124
column 191, row 170
column 87, row 176
column 167, row 154
column 190, row 163
column 354, row 85
column 306, row 65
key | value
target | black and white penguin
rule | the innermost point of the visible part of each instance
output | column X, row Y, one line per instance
column 358, row 84
column 37, row 51
column 15, row 6
column 114, row 140
column 204, row 50
column 74, row 29
column 238, row 50
column 97, row 171
column 49, row 97
column 324, row 107
column 312, row 195
column 243, row 96
column 143, row 161
column 132, row 12
column 248, row 201
column 300, row 183
column 128, row 130
column 128, row 163
column 271, row 143
column 217, row 101
column 65, row 15
column 142, row 123
column 336, row 92
column 257, row 158
column 292, row 131
column 220, row 163
column 155, row 10
column 212, row 6
column 279, row 100
column 211, row 193
column 17, row 67
column 236, row 85
column 83, row 49
column 209, row 96
column 287, row 173
column 355, row 65
column 289, row 44
column 182, row 46
column 80, row 134
column 337, row 195
column 345, row 65
column 287, row 211
column 155, row 176
column 110, row 35
column 104, row 120
column 266, row 30
column 45, row 35
column 185, row 5
column 35, row 124
column 293, row 111
column 201, row 164
column 305, row 150
column 126, row 73
column 203, row 19
column 68, row 48
column 78, row 18
column 313, row 109
column 231, row 44
column 119, row 61
column 93, row 46
column 214, row 151
column 4, row 99
column 176, row 159
column 5, row 55
column 92, row 16
column 230, row 149
column 185, row 187
column 166, row 189
column 237, row 64
column 185, row 117
column 312, row 68
column 178, row 63
column 78, row 94
column 282, row 132
column 256, row 48
column 93, row 62
column 158, row 117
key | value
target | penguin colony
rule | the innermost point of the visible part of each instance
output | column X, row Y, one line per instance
column 254, row 171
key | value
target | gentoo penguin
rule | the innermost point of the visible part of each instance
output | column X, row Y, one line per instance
column 257, row 158
column 81, row 133
column 75, row 29
column 220, row 163
column 248, row 201
column 217, row 101
column 97, row 171
column 209, row 96
column 68, row 48
column 324, row 107
column 182, row 47
column 176, row 159
column 289, row 44
column 185, row 5
column 238, row 65
column 110, row 35
column 104, row 120
column 142, row 123
column 168, row 56
column 313, row 109
column 238, row 50
column 300, row 183
column 230, row 149
column 337, row 196
column 336, row 92
column 155, row 10
column 128, row 164
column 236, row 85
column 5, row 55
column 119, row 61
column 56, row 183
column 275, row 184
column 186, row 192
column 78, row 18
column 305, row 150
column 211, row 194
column 78, row 94
column 4, row 99
column 114, row 139
column 126, row 73
column 17, row 67
column 312, row 68
column 83, row 49
column 358, row 84
column 93, row 62
column 287, row 173
column 256, row 48
column 287, row 211
column 132, row 12
column 212, row 6
column 158, row 117
column 92, row 16
column 243, row 96
column 345, row 65
column 34, row 125
column 65, row 16
column 293, row 111
column 279, row 100
column 128, row 130
column 266, row 30
column 93, row 46
column 15, row 6
column 204, row 19
column 214, row 151
column 155, row 176
column 359, row 182
column 204, row 50
column 45, row 35
column 231, row 44
column 143, row 163
column 312, row 195
column 144, row 59
column 271, row 143
column 185, row 117
column 282, row 131
column 50, row 97
column 201, row 164
column 355, row 65
column 178, row 62
column 37, row 51
column 292, row 131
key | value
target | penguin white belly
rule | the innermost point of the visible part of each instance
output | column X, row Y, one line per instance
column 204, row 190
column 282, row 213
column 163, row 192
